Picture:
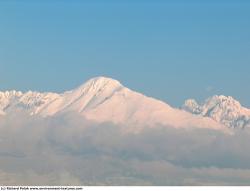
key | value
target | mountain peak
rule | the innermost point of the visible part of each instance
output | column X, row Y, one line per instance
column 223, row 109
column 227, row 100
column 102, row 81
column 99, row 83
column 191, row 106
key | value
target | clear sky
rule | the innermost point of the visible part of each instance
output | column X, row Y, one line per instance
column 171, row 50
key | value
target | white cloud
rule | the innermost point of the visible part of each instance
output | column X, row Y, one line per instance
column 70, row 150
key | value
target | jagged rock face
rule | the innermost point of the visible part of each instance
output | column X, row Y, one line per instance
column 192, row 106
column 11, row 101
column 222, row 109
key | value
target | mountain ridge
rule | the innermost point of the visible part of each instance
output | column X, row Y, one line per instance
column 104, row 99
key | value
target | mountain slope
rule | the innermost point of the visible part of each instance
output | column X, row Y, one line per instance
column 104, row 100
column 222, row 109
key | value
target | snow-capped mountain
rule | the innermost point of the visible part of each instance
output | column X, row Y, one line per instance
column 222, row 109
column 103, row 99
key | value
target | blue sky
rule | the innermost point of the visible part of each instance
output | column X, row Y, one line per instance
column 171, row 50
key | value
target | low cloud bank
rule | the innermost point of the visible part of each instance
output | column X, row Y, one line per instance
column 69, row 150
